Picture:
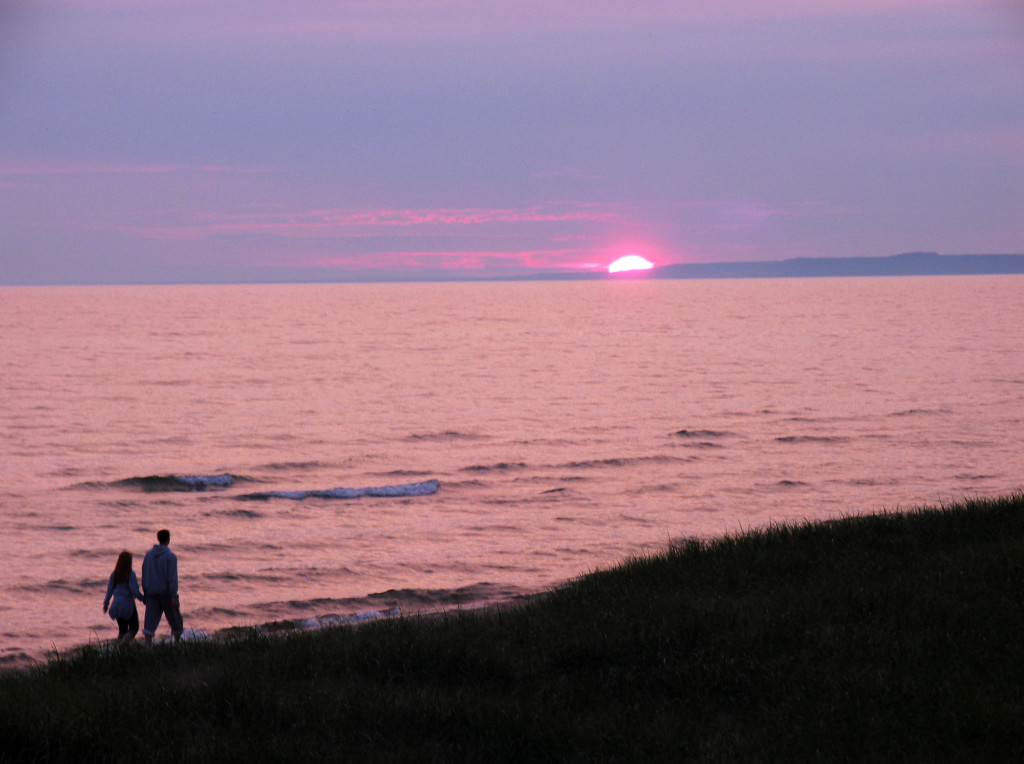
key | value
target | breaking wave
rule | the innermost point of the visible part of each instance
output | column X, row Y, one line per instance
column 156, row 483
column 412, row 599
column 422, row 488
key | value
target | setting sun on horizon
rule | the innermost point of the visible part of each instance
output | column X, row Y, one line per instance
column 630, row 263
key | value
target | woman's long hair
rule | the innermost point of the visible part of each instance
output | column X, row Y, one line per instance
column 122, row 568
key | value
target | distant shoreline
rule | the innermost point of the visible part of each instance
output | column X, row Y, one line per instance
column 906, row 264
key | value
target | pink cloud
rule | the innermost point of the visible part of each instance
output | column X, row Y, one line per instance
column 356, row 223
column 492, row 261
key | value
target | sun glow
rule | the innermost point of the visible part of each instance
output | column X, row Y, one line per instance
column 630, row 263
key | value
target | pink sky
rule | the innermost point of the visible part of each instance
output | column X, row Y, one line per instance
column 192, row 141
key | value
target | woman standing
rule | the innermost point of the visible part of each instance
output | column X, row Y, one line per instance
column 124, row 588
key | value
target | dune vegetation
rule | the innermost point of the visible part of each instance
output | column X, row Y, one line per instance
column 890, row 637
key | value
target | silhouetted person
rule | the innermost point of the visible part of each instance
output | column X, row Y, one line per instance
column 123, row 586
column 160, row 585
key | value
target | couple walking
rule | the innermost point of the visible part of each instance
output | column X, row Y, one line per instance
column 159, row 592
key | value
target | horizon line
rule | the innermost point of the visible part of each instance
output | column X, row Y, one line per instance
column 914, row 263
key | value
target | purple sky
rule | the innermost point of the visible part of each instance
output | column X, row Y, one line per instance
column 232, row 140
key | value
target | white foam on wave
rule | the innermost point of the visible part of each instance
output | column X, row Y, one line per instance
column 187, row 635
column 349, row 618
column 210, row 481
column 422, row 488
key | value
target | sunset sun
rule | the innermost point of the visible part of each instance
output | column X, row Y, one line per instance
column 630, row 263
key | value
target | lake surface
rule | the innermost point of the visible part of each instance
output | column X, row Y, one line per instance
column 512, row 435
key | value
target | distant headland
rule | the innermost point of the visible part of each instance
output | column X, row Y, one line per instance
column 906, row 264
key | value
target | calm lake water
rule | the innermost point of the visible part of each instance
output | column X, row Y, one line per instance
column 514, row 435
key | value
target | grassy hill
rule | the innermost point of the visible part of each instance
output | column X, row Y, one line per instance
column 891, row 637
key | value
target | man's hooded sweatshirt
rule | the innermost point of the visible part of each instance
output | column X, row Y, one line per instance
column 160, row 571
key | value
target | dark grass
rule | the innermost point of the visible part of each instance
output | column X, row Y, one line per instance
column 891, row 637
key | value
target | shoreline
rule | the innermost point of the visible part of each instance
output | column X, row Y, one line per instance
column 25, row 662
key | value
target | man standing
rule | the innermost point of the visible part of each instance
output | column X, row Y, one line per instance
column 160, row 587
